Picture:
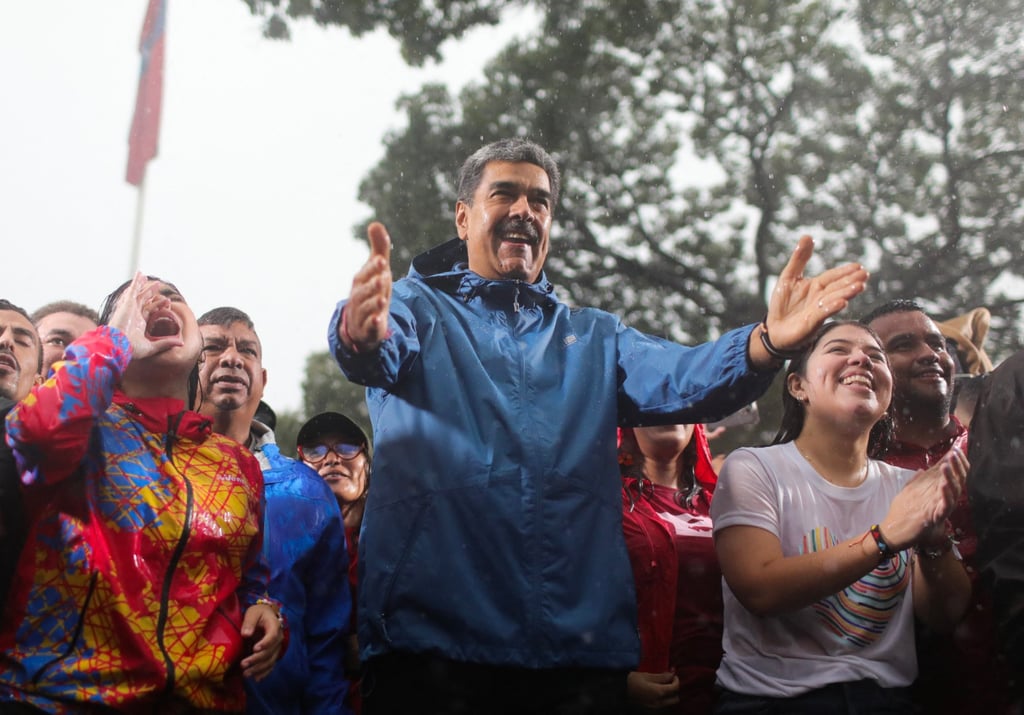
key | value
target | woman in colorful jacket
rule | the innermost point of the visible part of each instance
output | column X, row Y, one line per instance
column 667, row 485
column 140, row 588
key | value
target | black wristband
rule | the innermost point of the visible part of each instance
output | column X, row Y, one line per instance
column 885, row 552
column 774, row 351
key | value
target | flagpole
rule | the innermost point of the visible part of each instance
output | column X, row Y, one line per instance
column 144, row 134
column 140, row 203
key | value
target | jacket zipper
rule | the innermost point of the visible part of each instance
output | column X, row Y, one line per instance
column 172, row 566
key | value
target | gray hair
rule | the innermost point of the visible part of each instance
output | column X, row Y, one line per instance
column 512, row 150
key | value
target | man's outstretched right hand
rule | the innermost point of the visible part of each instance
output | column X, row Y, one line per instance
column 364, row 322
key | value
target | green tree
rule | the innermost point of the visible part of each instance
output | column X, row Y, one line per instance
column 419, row 25
column 935, row 178
column 287, row 431
column 892, row 133
column 765, row 84
column 622, row 91
column 697, row 139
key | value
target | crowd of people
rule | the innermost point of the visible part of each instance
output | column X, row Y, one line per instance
column 546, row 531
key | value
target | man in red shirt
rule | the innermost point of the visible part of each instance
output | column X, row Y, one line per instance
column 956, row 672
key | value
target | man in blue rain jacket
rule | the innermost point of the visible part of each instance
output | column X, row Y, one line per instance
column 494, row 573
column 303, row 534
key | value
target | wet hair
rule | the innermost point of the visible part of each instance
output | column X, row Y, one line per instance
column 900, row 305
column 631, row 464
column 110, row 302
column 8, row 305
column 225, row 317
column 65, row 306
column 793, row 411
column 107, row 310
column 511, row 150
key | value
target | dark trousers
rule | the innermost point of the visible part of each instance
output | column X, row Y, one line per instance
column 414, row 684
column 859, row 697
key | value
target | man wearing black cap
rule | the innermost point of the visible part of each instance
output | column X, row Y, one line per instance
column 303, row 539
column 338, row 449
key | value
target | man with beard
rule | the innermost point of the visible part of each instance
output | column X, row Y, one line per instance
column 21, row 361
column 957, row 673
column 303, row 535
column 494, row 572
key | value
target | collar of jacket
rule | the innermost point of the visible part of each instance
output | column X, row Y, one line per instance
column 446, row 267
column 164, row 415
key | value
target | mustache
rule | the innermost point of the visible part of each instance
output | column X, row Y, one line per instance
column 520, row 226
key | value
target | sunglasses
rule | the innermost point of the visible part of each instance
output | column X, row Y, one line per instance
column 317, row 453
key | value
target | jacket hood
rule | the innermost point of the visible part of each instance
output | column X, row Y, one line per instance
column 446, row 267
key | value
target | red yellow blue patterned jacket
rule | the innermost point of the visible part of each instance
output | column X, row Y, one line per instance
column 143, row 550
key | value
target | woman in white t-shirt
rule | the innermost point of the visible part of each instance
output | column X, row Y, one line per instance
column 816, row 543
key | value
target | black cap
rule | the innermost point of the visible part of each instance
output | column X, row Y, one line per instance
column 331, row 423
column 266, row 415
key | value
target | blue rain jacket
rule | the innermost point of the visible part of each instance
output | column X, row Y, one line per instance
column 304, row 545
column 493, row 529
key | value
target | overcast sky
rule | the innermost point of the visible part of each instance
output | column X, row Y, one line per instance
column 252, row 199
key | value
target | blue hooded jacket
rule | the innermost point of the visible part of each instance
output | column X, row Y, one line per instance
column 493, row 532
column 304, row 545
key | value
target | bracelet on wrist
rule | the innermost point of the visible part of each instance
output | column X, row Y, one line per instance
column 885, row 552
column 935, row 552
column 777, row 353
column 274, row 606
column 345, row 334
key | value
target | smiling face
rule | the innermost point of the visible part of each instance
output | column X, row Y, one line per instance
column 19, row 355
column 922, row 368
column 231, row 373
column 507, row 227
column 846, row 379
column 347, row 478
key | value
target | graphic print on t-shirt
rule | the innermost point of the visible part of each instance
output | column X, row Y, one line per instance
column 688, row 524
column 859, row 614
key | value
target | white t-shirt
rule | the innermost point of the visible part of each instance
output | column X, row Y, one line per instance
column 865, row 631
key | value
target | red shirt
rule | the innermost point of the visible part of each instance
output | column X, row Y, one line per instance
column 678, row 582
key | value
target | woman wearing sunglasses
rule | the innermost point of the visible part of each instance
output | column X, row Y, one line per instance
column 338, row 449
